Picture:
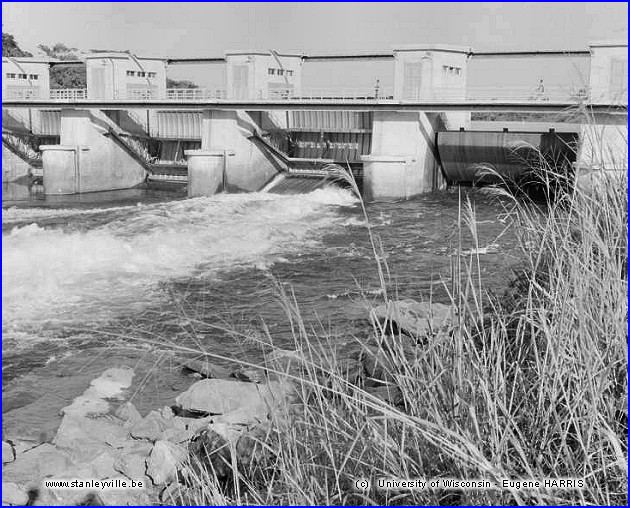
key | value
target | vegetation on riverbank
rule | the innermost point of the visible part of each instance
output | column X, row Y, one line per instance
column 532, row 385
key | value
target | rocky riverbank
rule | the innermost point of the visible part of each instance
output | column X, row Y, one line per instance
column 224, row 421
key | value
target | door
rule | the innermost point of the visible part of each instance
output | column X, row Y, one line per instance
column 412, row 81
column 98, row 83
column 241, row 81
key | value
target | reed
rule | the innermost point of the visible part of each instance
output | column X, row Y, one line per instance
column 530, row 385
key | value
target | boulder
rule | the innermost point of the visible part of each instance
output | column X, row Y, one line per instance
column 218, row 443
column 377, row 366
column 220, row 397
column 131, row 459
column 8, row 453
column 164, row 461
column 205, row 369
column 40, row 462
column 250, row 375
column 414, row 318
column 128, row 413
column 87, row 429
column 174, row 494
column 184, row 429
column 150, row 427
column 389, row 394
column 13, row 494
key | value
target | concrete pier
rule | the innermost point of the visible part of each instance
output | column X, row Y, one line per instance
column 229, row 156
column 87, row 160
column 404, row 161
column 13, row 166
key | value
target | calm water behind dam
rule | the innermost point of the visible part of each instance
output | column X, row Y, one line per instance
column 83, row 278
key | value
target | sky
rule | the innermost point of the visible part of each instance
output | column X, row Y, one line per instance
column 183, row 29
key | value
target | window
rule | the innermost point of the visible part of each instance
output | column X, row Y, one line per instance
column 141, row 74
column 271, row 71
column 151, row 74
column 11, row 75
column 451, row 71
column 34, row 76
column 131, row 73
column 289, row 73
column 22, row 76
column 280, row 72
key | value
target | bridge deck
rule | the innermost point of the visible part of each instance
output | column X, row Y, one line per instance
column 294, row 105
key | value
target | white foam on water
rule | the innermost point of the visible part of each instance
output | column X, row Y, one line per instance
column 52, row 276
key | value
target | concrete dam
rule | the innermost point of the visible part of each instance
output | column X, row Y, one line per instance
column 265, row 131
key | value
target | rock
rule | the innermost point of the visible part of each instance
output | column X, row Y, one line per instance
column 42, row 461
column 351, row 370
column 414, row 318
column 130, row 460
column 184, row 429
column 220, row 397
column 128, row 413
column 213, row 448
column 387, row 393
column 164, row 461
column 87, row 429
column 206, row 369
column 216, row 445
column 377, row 366
column 250, row 375
column 8, row 453
column 13, row 494
column 150, row 427
column 167, row 413
column 173, row 495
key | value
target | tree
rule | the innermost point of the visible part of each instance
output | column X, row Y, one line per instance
column 10, row 47
column 65, row 76
column 59, row 51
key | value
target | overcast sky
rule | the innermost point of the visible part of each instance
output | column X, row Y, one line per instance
column 208, row 29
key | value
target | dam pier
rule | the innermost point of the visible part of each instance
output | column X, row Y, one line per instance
column 264, row 129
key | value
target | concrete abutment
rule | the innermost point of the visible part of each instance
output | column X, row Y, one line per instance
column 228, row 160
column 87, row 160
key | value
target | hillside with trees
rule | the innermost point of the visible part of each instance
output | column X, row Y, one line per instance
column 11, row 48
column 68, row 75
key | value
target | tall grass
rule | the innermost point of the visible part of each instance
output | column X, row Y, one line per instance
column 532, row 385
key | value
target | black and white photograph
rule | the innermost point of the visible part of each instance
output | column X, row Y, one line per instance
column 314, row 253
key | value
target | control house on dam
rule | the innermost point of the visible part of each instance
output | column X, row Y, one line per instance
column 264, row 130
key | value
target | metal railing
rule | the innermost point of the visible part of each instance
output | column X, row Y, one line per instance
column 195, row 94
column 344, row 94
column 513, row 95
column 68, row 94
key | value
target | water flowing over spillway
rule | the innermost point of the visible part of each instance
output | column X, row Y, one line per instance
column 83, row 270
column 88, row 285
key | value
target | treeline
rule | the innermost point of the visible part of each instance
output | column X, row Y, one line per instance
column 67, row 76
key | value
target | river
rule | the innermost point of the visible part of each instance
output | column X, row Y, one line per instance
column 90, row 283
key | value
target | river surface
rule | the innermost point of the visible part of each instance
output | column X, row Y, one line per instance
column 92, row 283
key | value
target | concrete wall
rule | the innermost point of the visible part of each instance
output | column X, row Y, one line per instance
column 25, row 75
column 403, row 162
column 435, row 72
column 609, row 72
column 86, row 160
column 247, row 167
column 13, row 166
column 604, row 143
column 258, row 75
column 122, row 76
